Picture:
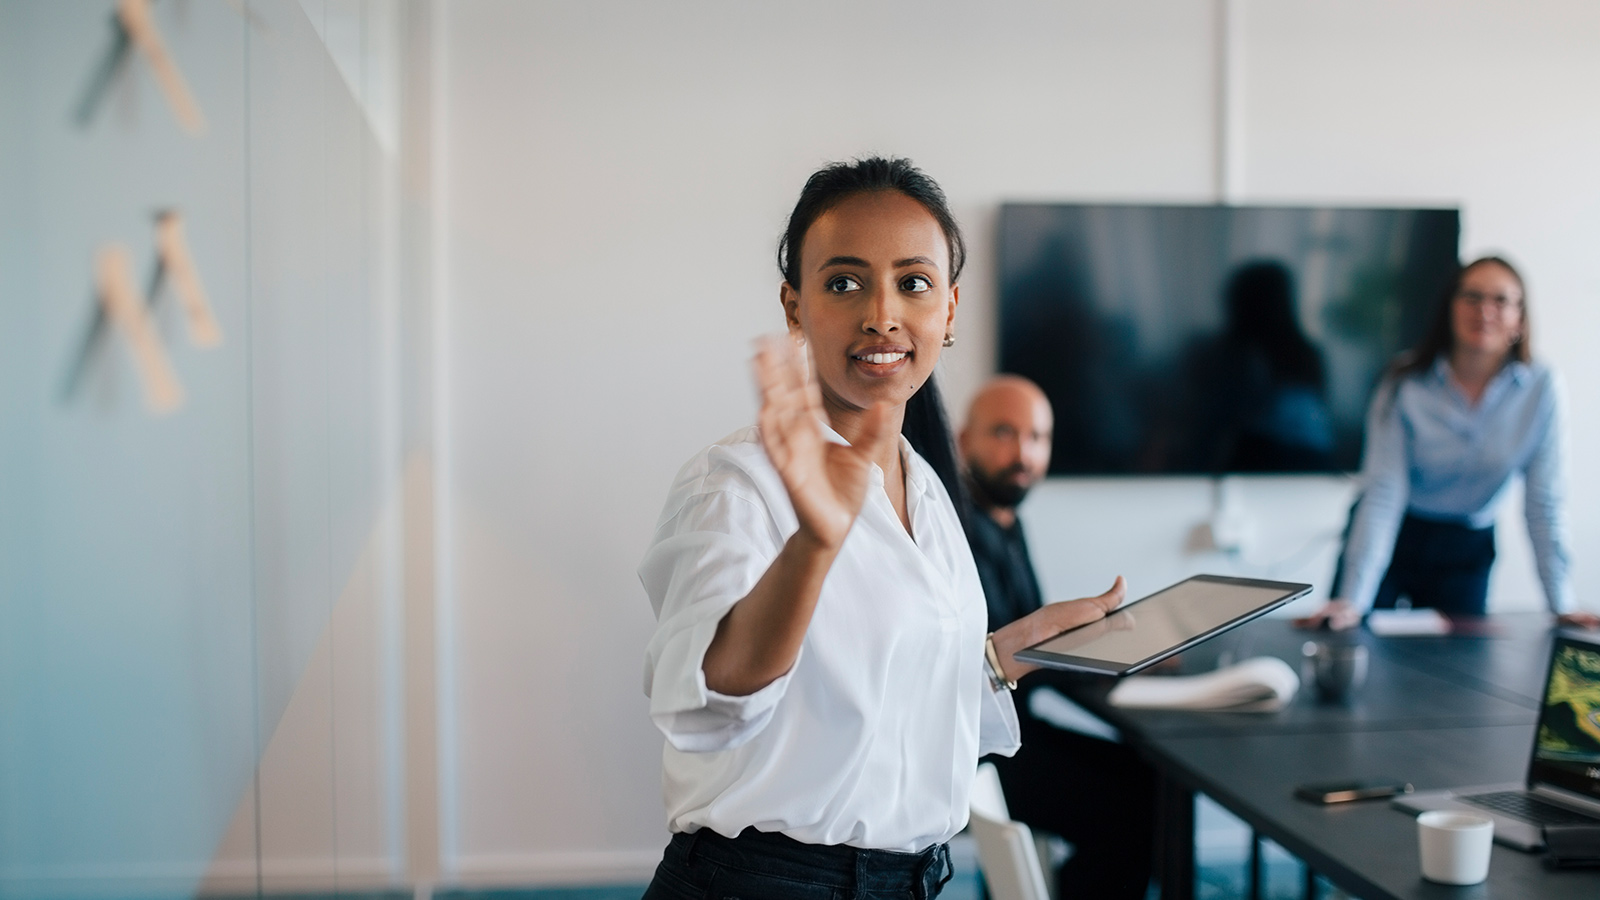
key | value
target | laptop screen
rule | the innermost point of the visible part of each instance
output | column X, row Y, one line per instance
column 1566, row 749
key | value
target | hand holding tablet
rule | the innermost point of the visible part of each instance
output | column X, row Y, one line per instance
column 1146, row 631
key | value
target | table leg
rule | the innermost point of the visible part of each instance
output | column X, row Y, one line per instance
column 1175, row 821
column 1255, row 866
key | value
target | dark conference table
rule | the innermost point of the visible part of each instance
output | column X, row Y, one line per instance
column 1435, row 711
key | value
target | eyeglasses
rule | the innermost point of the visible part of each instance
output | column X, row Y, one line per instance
column 1500, row 302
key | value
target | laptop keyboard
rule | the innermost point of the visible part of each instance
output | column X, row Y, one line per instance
column 1521, row 806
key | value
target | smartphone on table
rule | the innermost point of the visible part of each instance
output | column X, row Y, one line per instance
column 1346, row 791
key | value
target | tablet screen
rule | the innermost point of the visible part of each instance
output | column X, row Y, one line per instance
column 1164, row 622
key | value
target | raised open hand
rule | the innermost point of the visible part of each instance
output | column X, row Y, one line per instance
column 1578, row 619
column 827, row 482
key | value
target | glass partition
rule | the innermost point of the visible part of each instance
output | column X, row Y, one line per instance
column 199, row 605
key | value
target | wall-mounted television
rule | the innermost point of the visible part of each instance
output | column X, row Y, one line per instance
column 1209, row 340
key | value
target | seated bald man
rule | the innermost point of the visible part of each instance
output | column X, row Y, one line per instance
column 1095, row 793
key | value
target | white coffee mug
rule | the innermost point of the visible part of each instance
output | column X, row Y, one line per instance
column 1455, row 846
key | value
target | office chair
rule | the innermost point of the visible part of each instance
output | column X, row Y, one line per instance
column 1006, row 851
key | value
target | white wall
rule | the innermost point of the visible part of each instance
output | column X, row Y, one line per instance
column 617, row 176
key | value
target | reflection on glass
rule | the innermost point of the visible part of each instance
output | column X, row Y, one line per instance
column 1259, row 389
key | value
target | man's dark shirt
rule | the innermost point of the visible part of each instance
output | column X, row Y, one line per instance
column 1009, row 585
column 1010, row 588
column 1098, row 795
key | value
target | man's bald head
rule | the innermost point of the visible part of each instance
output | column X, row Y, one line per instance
column 1005, row 442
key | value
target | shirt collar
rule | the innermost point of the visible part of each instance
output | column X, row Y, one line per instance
column 1514, row 370
column 916, row 479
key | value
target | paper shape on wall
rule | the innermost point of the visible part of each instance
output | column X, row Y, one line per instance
column 134, row 16
column 174, row 260
column 119, row 298
column 114, row 283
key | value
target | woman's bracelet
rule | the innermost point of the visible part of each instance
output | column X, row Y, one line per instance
column 996, row 673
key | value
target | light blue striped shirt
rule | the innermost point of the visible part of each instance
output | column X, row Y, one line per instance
column 1430, row 451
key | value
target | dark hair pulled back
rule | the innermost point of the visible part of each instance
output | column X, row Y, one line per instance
column 926, row 426
column 837, row 181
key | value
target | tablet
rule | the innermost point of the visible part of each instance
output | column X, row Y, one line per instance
column 1142, row 633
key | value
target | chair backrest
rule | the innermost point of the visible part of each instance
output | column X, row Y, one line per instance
column 1006, row 851
column 987, row 796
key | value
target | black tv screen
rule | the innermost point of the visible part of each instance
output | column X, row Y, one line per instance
column 1214, row 339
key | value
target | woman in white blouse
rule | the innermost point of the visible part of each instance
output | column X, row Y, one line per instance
column 820, row 667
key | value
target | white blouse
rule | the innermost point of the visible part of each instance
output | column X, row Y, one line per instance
column 873, row 737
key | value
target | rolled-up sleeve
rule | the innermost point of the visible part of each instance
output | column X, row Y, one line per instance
column 1544, row 504
column 998, row 729
column 706, row 556
column 1385, row 485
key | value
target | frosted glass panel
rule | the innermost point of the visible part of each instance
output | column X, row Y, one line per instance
column 187, row 599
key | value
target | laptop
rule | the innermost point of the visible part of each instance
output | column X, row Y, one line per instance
column 1563, row 785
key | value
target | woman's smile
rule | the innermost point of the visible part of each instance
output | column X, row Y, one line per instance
column 879, row 361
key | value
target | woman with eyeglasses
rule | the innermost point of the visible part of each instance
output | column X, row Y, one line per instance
column 1449, row 425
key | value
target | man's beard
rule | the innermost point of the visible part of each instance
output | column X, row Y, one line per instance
column 997, row 489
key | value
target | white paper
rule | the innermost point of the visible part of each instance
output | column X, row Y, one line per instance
column 1260, row 684
column 1407, row 622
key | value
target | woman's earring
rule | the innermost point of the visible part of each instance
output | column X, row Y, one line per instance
column 949, row 340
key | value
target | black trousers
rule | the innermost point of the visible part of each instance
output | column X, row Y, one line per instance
column 1099, row 796
column 1442, row 565
column 759, row 865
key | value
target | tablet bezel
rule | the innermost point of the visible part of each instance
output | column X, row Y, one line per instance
column 1292, row 591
